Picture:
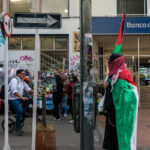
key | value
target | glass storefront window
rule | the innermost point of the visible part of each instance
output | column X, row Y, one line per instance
column 1, row 5
column 61, row 42
column 28, row 43
column 14, row 43
column 21, row 6
column 130, row 6
column 55, row 6
column 46, row 43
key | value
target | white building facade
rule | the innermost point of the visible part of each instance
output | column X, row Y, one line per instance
column 57, row 45
column 60, row 48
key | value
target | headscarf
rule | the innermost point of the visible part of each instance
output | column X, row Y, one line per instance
column 116, row 65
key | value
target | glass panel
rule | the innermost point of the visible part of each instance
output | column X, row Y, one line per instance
column 1, row 5
column 46, row 43
column 14, row 43
column 28, row 43
column 145, row 70
column 130, row 6
column 55, row 6
column 61, row 42
column 21, row 6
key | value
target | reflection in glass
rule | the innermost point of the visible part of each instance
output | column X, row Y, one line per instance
column 21, row 6
column 46, row 43
column 14, row 43
column 61, row 42
column 28, row 43
column 55, row 6
column 1, row 5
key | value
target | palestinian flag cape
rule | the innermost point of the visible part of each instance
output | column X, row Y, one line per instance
column 125, row 98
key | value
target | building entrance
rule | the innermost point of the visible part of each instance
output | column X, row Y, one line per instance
column 136, row 49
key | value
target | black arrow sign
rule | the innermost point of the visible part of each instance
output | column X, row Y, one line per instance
column 37, row 20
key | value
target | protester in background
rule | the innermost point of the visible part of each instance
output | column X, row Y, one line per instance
column 63, row 105
column 57, row 96
column 73, row 79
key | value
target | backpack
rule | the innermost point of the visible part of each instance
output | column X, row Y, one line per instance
column 2, row 91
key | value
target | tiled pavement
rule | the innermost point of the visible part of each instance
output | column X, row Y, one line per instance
column 143, row 135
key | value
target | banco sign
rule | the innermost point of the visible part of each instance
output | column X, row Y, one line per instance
column 138, row 25
column 110, row 25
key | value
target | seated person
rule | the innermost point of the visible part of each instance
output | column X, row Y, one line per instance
column 16, row 88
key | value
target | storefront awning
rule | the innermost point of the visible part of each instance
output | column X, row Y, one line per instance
column 110, row 25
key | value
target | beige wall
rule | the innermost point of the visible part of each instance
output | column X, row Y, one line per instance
column 104, row 7
column 74, row 8
column 148, row 7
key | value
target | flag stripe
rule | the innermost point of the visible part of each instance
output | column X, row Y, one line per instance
column 126, row 75
column 134, row 135
column 119, row 39
column 125, row 103
column 117, row 49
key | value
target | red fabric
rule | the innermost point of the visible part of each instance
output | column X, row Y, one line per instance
column 126, row 75
column 117, row 64
column 69, row 90
column 120, row 30
column 0, row 104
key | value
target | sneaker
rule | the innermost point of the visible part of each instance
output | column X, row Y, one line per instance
column 19, row 131
column 71, row 121
column 55, row 119
column 65, row 115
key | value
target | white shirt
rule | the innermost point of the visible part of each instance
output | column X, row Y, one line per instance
column 17, row 85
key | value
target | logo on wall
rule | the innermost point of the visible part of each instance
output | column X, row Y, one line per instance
column 76, row 42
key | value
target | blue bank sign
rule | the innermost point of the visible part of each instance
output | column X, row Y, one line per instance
column 110, row 25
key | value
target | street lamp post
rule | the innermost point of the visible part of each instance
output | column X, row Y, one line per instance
column 86, row 91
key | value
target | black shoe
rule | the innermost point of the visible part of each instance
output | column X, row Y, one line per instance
column 26, row 115
column 19, row 131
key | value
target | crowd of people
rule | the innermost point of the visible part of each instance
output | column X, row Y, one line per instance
column 19, row 88
column 62, row 95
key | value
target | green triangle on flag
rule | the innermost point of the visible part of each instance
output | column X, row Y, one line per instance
column 118, row 45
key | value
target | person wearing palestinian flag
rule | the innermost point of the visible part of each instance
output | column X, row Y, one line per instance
column 125, row 97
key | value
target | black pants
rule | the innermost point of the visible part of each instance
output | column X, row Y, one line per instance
column 56, row 110
column 110, row 137
column 70, row 107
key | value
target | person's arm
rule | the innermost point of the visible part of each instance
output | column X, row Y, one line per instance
column 28, row 89
column 21, row 97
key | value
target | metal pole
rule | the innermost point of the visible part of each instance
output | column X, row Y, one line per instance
column 6, row 144
column 36, row 64
column 139, row 67
column 37, row 48
column 86, row 85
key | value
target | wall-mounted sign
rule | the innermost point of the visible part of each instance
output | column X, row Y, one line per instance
column 110, row 25
column 76, row 42
column 37, row 20
column 7, row 24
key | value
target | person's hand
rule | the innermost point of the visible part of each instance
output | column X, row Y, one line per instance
column 24, row 98
column 106, row 85
column 38, row 95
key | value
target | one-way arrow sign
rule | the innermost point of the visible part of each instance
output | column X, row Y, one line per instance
column 37, row 20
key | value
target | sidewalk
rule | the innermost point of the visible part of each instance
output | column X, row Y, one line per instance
column 66, row 137
column 143, row 135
